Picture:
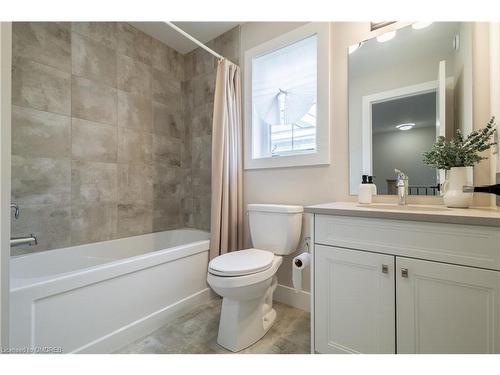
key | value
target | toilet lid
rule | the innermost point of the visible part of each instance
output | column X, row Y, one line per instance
column 239, row 263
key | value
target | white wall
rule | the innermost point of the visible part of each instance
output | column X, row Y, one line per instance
column 463, row 80
column 481, row 102
column 320, row 184
column 5, row 105
column 495, row 92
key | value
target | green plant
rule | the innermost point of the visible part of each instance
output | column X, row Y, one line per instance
column 460, row 151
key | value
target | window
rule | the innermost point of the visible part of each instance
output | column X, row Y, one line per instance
column 287, row 86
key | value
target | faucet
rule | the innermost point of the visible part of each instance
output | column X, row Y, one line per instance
column 30, row 240
column 402, row 185
column 15, row 206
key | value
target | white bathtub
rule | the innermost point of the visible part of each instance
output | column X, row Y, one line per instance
column 98, row 297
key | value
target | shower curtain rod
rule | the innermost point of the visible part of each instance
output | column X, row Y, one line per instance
column 193, row 39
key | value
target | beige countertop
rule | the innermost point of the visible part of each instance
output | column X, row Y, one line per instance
column 483, row 216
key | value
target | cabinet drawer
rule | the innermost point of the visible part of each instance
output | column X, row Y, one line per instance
column 450, row 243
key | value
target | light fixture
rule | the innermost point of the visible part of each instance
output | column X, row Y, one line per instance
column 420, row 25
column 405, row 126
column 386, row 36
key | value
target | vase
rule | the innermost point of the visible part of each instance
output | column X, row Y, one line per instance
column 454, row 196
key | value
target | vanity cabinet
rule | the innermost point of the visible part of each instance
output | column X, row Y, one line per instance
column 372, row 295
column 445, row 308
column 355, row 308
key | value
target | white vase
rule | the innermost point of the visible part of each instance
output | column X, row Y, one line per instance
column 456, row 179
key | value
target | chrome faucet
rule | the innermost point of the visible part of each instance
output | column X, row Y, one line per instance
column 15, row 206
column 30, row 240
column 402, row 185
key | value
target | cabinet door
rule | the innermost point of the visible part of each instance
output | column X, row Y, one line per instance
column 444, row 308
column 354, row 301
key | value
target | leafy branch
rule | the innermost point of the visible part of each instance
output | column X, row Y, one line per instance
column 461, row 151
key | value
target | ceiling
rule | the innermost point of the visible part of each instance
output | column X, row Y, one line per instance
column 419, row 109
column 203, row 31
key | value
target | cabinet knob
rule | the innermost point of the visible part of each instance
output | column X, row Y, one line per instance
column 385, row 268
column 404, row 272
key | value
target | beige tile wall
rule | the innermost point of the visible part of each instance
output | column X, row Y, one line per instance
column 98, row 135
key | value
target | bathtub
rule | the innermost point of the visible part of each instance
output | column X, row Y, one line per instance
column 99, row 297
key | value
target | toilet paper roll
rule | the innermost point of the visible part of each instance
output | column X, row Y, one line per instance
column 298, row 264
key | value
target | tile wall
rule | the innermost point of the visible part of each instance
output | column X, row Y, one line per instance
column 100, row 146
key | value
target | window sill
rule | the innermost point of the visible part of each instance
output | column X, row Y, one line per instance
column 287, row 161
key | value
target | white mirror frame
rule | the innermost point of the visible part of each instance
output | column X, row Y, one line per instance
column 366, row 116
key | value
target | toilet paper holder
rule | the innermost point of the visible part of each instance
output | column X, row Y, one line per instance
column 297, row 261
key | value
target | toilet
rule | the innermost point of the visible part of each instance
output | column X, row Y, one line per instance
column 246, row 279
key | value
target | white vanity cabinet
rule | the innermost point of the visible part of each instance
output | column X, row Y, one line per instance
column 395, row 286
column 445, row 308
column 354, row 304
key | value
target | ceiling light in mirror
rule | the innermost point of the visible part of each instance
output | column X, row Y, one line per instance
column 386, row 36
column 406, row 126
column 420, row 25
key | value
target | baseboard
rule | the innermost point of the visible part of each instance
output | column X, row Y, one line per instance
column 295, row 298
column 144, row 326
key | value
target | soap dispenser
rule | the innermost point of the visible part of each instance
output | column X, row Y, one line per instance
column 372, row 185
column 365, row 191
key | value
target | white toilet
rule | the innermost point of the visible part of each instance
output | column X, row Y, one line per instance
column 246, row 279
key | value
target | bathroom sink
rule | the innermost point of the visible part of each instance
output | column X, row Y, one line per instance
column 409, row 207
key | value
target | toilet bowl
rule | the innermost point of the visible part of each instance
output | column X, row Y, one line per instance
column 246, row 279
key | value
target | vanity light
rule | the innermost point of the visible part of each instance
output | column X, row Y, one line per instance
column 386, row 36
column 420, row 25
column 405, row 126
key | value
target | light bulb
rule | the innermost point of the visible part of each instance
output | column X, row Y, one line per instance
column 405, row 126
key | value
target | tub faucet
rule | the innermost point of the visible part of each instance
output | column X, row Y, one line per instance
column 15, row 206
column 30, row 240
column 402, row 185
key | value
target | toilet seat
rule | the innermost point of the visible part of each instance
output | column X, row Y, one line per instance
column 241, row 263
column 245, row 280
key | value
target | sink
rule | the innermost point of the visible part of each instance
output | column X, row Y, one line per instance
column 397, row 207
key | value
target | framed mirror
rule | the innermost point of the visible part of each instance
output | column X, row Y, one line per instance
column 407, row 87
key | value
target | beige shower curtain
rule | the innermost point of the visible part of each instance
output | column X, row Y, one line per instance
column 227, row 165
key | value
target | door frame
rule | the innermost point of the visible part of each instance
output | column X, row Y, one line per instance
column 366, row 115
column 5, row 182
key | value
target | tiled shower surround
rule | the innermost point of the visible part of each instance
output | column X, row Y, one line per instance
column 111, row 132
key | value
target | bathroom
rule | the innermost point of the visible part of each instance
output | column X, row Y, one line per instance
column 249, row 187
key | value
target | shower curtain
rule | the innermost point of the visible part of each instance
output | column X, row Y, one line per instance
column 227, row 165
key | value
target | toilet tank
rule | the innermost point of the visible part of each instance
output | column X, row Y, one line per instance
column 275, row 227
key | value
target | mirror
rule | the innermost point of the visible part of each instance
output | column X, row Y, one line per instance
column 407, row 87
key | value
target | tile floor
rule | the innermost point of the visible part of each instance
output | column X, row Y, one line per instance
column 196, row 333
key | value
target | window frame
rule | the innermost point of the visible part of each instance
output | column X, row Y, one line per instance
column 321, row 156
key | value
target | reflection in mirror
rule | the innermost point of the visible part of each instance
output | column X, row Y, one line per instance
column 406, row 89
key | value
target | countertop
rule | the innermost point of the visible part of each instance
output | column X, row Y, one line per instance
column 482, row 216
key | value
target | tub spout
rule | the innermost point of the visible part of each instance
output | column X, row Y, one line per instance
column 19, row 241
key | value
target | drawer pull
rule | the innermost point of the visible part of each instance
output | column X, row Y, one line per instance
column 385, row 268
column 404, row 272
